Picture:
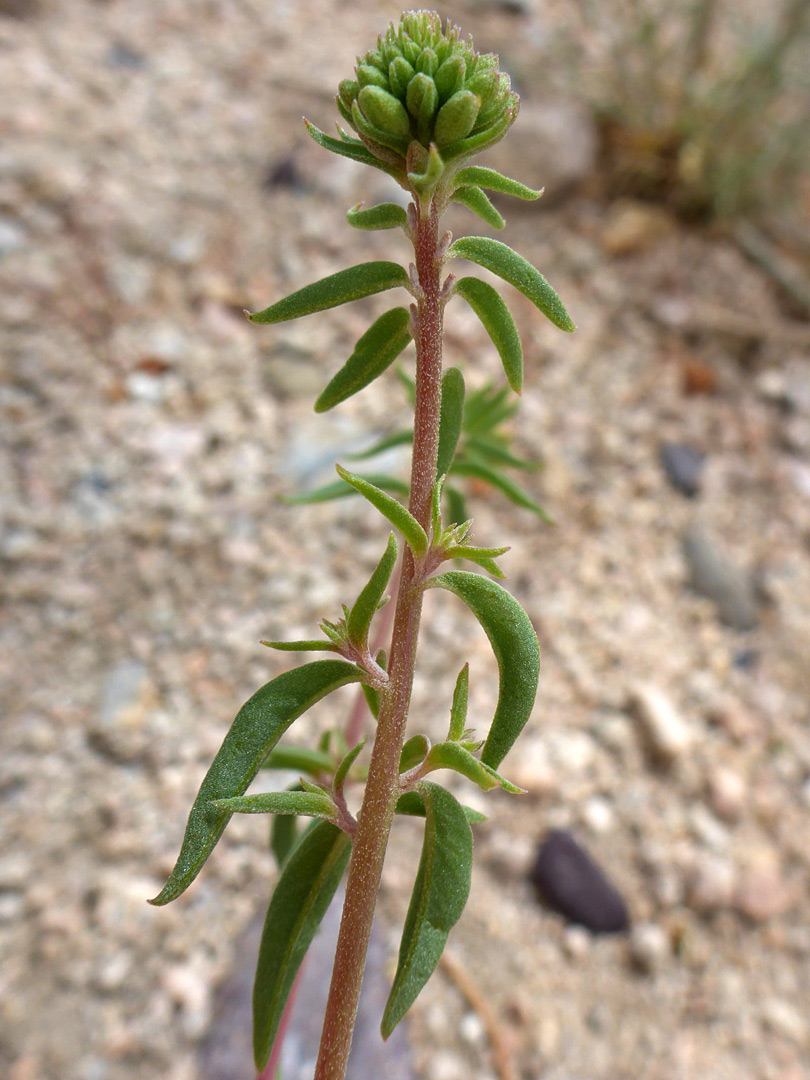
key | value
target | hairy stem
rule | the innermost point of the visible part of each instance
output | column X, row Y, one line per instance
column 382, row 787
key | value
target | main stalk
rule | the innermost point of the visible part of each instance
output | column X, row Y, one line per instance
column 382, row 787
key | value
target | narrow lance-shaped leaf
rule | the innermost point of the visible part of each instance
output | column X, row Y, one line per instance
column 490, row 308
column 411, row 804
column 451, row 755
column 475, row 199
column 343, row 769
column 490, row 450
column 503, row 484
column 371, row 695
column 495, row 181
column 309, row 645
column 516, row 649
column 374, row 352
column 507, row 264
column 450, row 419
column 279, row 802
column 349, row 148
column 387, row 442
column 458, row 710
column 304, row 891
column 413, row 752
column 483, row 557
column 339, row 489
column 395, row 512
column 382, row 216
column 439, row 894
column 283, row 833
column 456, row 505
column 258, row 726
column 368, row 601
column 299, row 759
column 365, row 279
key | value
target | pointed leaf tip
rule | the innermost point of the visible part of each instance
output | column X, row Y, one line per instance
column 395, row 512
column 374, row 352
column 475, row 199
column 507, row 264
column 496, row 319
column 309, row 880
column 258, row 726
column 355, row 282
column 516, row 650
column 367, row 603
column 439, row 895
column 495, row 181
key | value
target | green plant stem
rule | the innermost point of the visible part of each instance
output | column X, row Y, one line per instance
column 382, row 788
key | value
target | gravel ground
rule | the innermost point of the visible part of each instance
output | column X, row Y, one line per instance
column 154, row 180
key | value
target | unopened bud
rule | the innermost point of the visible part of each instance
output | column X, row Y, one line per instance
column 384, row 111
column 456, row 117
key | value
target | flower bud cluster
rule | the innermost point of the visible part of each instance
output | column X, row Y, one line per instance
column 423, row 91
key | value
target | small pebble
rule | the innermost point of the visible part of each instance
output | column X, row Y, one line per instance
column 683, row 467
column 649, row 947
column 571, row 883
column 712, row 575
column 727, row 793
column 763, row 893
column 666, row 732
column 577, row 941
column 598, row 814
column 712, row 884
column 785, row 1019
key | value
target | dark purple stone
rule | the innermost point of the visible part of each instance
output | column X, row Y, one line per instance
column 683, row 466
column 570, row 882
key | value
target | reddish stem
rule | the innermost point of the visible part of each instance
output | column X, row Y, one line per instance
column 382, row 787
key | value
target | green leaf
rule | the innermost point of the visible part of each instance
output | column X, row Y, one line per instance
column 343, row 769
column 299, row 759
column 516, row 649
column 456, row 505
column 279, row 802
column 503, row 484
column 495, row 181
column 355, row 282
column 452, row 413
column 350, row 148
column 411, row 804
column 488, row 305
column 283, row 833
column 492, row 451
column 258, row 726
column 367, row 603
column 395, row 512
column 474, row 144
column 475, row 199
column 507, row 264
column 374, row 352
column 372, row 697
column 439, row 894
column 310, row 645
column 382, row 216
column 458, row 710
column 485, row 410
column 339, row 490
column 451, row 755
column 413, row 752
column 436, row 509
column 480, row 556
column 304, row 891
column 388, row 442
